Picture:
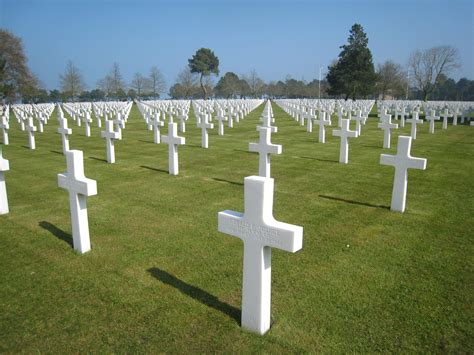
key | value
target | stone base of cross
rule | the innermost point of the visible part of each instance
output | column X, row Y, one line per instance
column 402, row 161
column 79, row 188
column 260, row 232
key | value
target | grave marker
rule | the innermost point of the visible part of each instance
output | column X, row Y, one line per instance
column 173, row 141
column 205, row 125
column 265, row 147
column 64, row 131
column 344, row 133
column 387, row 125
column 4, row 166
column 402, row 161
column 79, row 188
column 110, row 136
column 260, row 232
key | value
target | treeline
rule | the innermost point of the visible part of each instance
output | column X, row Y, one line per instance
column 352, row 75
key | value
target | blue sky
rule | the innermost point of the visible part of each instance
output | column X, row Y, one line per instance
column 276, row 38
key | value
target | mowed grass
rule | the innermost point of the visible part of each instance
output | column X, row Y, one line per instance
column 160, row 278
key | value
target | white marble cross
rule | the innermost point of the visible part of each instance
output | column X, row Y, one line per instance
column 445, row 119
column 432, row 118
column 260, row 232
column 221, row 118
column 387, row 125
column 64, row 131
column 119, row 124
column 31, row 133
column 87, row 122
column 265, row 147
column 110, row 136
column 403, row 115
column 267, row 118
column 5, row 126
column 39, row 118
column 230, row 115
column 173, row 140
column 344, row 133
column 309, row 122
column 79, row 188
column 340, row 115
column 414, row 121
column 4, row 166
column 402, row 162
column 182, row 120
column 205, row 125
column 156, row 124
column 99, row 119
column 359, row 118
column 322, row 122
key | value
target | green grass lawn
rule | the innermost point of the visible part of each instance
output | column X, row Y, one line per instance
column 161, row 278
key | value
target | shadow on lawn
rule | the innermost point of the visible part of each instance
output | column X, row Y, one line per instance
column 98, row 159
column 58, row 233
column 243, row 151
column 228, row 181
column 141, row 140
column 353, row 202
column 318, row 159
column 57, row 152
column 196, row 293
column 154, row 169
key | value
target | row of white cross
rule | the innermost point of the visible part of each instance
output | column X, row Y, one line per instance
column 256, row 226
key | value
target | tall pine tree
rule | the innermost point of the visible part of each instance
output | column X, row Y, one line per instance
column 353, row 74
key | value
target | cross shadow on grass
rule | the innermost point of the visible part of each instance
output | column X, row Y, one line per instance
column 58, row 233
column 228, row 181
column 56, row 152
column 244, row 151
column 195, row 292
column 98, row 159
column 318, row 159
column 353, row 202
column 154, row 169
column 144, row 141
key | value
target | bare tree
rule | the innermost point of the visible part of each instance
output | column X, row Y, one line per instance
column 390, row 79
column 188, row 82
column 105, row 84
column 256, row 84
column 427, row 66
column 71, row 81
column 112, row 84
column 140, row 84
column 116, row 79
column 156, row 82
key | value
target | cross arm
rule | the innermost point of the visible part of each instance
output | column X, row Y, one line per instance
column 83, row 186
column 386, row 159
column 417, row 163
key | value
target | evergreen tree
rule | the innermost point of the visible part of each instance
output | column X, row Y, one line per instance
column 205, row 63
column 353, row 74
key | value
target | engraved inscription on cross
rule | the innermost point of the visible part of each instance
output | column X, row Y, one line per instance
column 260, row 232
